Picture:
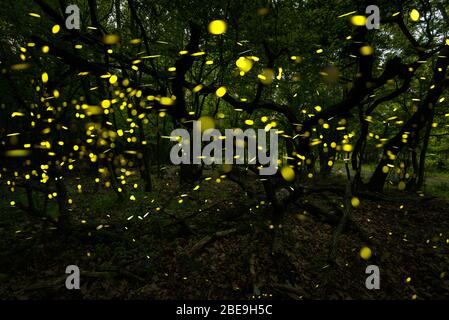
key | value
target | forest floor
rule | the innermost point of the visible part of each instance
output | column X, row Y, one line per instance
column 159, row 247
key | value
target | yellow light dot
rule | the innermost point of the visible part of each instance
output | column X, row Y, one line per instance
column 288, row 173
column 105, row 104
column 244, row 64
column 113, row 79
column 217, row 27
column 358, row 20
column 414, row 15
column 111, row 39
column 221, row 92
column 347, row 147
column 226, row 168
column 366, row 50
column 20, row 66
column 401, row 185
column 197, row 88
column 365, row 253
column 267, row 76
column 206, row 123
column 56, row 28
column 249, row 122
column 45, row 77
column 355, row 202
column 166, row 101
column 45, row 49
column 135, row 41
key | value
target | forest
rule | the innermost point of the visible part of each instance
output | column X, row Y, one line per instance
column 342, row 196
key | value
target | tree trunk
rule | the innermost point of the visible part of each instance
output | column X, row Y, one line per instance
column 414, row 124
column 422, row 156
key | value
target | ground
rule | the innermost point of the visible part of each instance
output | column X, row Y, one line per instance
column 158, row 247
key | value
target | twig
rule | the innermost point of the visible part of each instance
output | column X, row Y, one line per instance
column 208, row 239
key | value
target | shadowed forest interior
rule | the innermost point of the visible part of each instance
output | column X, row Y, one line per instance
column 91, row 91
